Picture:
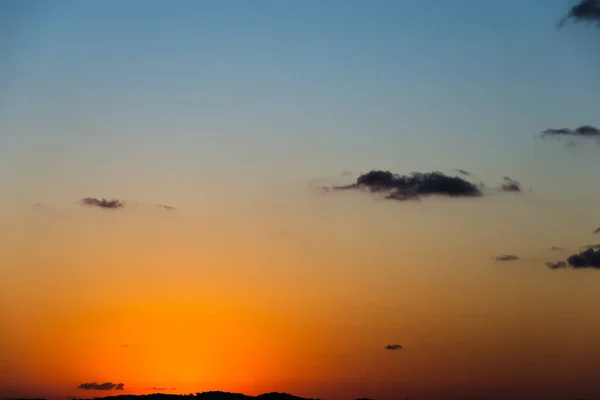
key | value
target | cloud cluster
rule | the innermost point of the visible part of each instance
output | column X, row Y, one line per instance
column 393, row 347
column 584, row 11
column 507, row 257
column 413, row 186
column 510, row 185
column 102, row 203
column 101, row 386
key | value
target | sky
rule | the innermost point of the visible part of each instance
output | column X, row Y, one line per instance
column 235, row 113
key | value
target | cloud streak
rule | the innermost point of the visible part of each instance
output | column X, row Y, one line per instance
column 101, row 386
column 507, row 257
column 463, row 172
column 413, row 186
column 393, row 347
column 556, row 265
column 584, row 131
column 102, row 203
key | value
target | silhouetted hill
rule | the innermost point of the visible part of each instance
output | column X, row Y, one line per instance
column 204, row 396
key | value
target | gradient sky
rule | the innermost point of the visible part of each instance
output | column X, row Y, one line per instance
column 233, row 111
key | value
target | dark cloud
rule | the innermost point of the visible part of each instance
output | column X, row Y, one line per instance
column 413, row 186
column 584, row 131
column 346, row 173
column 554, row 248
column 393, row 347
column 584, row 11
column 507, row 257
column 597, row 230
column 556, row 265
column 510, row 185
column 102, row 203
column 101, row 386
column 166, row 207
column 589, row 258
column 463, row 172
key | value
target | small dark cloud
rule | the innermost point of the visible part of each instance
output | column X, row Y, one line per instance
column 166, row 207
column 125, row 345
column 556, row 265
column 346, row 173
column 413, row 186
column 463, row 172
column 160, row 388
column 597, row 230
column 393, row 347
column 554, row 248
column 584, row 131
column 584, row 11
column 101, row 386
column 510, row 185
column 507, row 257
column 102, row 203
column 589, row 258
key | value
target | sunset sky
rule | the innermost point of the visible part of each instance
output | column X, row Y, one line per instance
column 236, row 113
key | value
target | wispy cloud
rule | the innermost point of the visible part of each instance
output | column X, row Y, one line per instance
column 346, row 173
column 556, row 265
column 393, row 347
column 584, row 131
column 166, row 207
column 102, row 203
column 510, row 185
column 413, row 186
column 463, row 172
column 507, row 257
column 101, row 386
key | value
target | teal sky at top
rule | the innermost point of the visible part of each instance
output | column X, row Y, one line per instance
column 136, row 98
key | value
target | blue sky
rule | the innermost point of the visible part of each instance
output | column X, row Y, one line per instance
column 100, row 94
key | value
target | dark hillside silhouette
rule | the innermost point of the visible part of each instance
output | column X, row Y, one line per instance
column 215, row 395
